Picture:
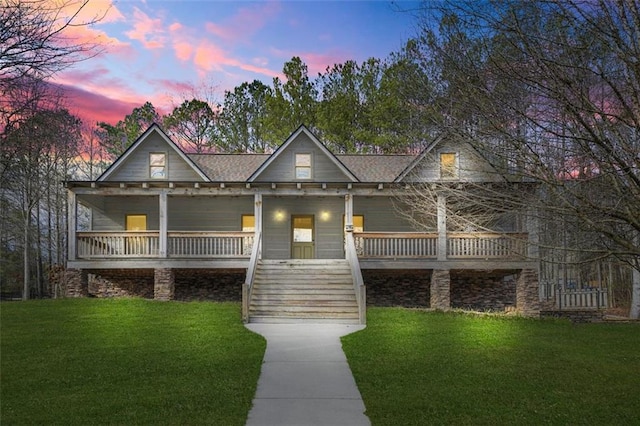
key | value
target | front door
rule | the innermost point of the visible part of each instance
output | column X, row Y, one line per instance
column 302, row 237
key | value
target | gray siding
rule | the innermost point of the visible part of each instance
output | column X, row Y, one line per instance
column 380, row 215
column 323, row 169
column 136, row 166
column 207, row 213
column 328, row 230
column 472, row 167
column 112, row 216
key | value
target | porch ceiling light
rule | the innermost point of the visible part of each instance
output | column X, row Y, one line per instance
column 279, row 216
column 325, row 216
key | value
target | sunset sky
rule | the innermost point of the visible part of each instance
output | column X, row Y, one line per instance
column 159, row 50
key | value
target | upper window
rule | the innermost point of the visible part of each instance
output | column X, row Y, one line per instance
column 158, row 165
column 303, row 166
column 448, row 165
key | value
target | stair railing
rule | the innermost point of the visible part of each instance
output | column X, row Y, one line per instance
column 356, row 274
column 247, row 287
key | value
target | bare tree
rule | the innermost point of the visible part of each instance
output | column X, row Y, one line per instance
column 550, row 92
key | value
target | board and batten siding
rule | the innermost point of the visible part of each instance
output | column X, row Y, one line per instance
column 328, row 214
column 112, row 216
column 207, row 213
column 282, row 169
column 136, row 165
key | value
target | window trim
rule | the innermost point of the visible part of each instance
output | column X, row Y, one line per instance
column 164, row 166
column 453, row 172
column 302, row 166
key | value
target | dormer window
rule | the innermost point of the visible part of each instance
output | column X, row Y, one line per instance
column 303, row 166
column 158, row 165
column 449, row 165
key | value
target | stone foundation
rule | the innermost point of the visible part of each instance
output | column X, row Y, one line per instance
column 121, row 282
column 576, row 316
column 441, row 289
column 397, row 288
column 209, row 284
column 483, row 290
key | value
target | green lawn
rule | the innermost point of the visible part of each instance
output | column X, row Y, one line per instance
column 126, row 362
column 417, row 368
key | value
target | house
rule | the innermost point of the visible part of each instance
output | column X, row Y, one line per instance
column 299, row 233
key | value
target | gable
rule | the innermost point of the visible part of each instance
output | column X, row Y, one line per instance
column 134, row 164
column 281, row 165
column 469, row 164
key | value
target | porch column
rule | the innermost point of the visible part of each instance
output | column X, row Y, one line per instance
column 440, row 289
column 442, row 227
column 76, row 283
column 348, row 212
column 527, row 297
column 163, row 284
column 162, row 249
column 72, row 215
column 257, row 215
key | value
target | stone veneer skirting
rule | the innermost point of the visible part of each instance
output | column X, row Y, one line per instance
column 439, row 289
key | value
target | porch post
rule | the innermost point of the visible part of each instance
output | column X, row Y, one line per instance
column 527, row 293
column 442, row 227
column 72, row 216
column 162, row 249
column 440, row 289
column 257, row 215
column 348, row 212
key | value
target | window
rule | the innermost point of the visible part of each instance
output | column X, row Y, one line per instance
column 303, row 166
column 136, row 222
column 448, row 165
column 158, row 165
column 248, row 223
column 358, row 222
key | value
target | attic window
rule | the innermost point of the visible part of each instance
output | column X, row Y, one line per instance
column 158, row 165
column 448, row 165
column 303, row 166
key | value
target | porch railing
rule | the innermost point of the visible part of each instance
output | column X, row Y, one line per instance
column 396, row 244
column 575, row 298
column 425, row 245
column 486, row 245
column 179, row 244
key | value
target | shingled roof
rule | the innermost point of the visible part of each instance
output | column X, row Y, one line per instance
column 238, row 167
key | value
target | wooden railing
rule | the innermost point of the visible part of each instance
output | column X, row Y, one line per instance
column 118, row 244
column 179, row 244
column 407, row 245
column 486, row 245
column 396, row 244
column 210, row 244
column 575, row 298
column 356, row 274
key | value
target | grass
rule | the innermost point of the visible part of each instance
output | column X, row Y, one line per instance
column 415, row 368
column 126, row 361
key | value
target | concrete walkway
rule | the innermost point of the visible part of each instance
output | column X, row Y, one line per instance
column 305, row 379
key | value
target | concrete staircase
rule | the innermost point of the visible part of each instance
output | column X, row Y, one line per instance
column 296, row 290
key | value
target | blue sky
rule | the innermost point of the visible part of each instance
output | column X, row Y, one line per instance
column 162, row 51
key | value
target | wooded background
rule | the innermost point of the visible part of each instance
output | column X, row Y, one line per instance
column 548, row 92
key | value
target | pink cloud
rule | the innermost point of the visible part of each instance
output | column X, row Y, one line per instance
column 93, row 107
column 147, row 30
column 245, row 23
column 209, row 56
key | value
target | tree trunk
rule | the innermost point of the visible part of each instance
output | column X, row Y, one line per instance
column 635, row 294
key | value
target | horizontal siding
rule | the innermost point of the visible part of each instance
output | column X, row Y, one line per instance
column 207, row 213
column 472, row 167
column 112, row 216
column 136, row 165
column 323, row 168
column 380, row 215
